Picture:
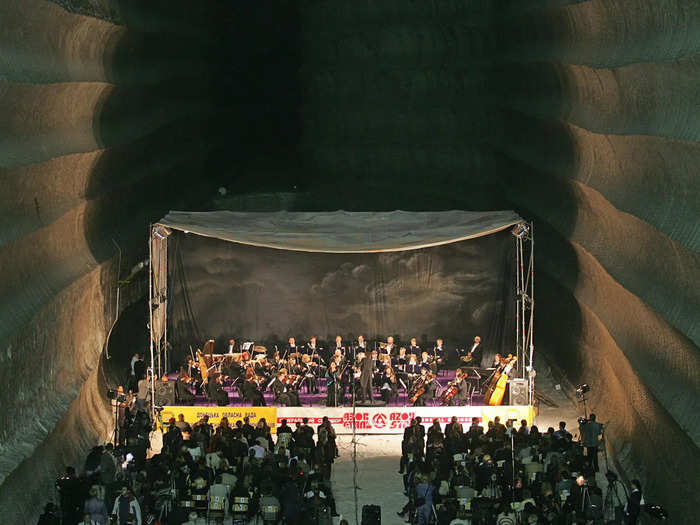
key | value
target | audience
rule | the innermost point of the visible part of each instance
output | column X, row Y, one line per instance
column 203, row 471
column 503, row 476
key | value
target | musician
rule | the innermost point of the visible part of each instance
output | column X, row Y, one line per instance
column 426, row 362
column 284, row 393
column 413, row 369
column 182, row 390
column 251, row 387
column 462, row 385
column 231, row 346
column 390, row 385
column 366, row 376
column 398, row 362
column 390, row 348
column 376, row 363
column 429, row 391
column 294, row 368
column 311, row 373
column 291, row 346
column 332, row 384
column 438, row 353
column 215, row 390
column 339, row 345
column 474, row 353
column 360, row 346
column 497, row 361
column 414, row 348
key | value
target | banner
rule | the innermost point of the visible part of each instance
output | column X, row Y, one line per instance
column 194, row 414
column 393, row 420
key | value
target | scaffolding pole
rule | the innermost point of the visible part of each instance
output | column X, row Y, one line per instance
column 150, row 320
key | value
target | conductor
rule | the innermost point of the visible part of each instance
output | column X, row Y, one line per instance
column 366, row 373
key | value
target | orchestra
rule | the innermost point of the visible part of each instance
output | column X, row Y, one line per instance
column 382, row 369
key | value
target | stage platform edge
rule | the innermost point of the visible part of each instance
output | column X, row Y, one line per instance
column 368, row 420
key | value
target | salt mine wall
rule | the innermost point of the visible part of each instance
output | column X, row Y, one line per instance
column 580, row 115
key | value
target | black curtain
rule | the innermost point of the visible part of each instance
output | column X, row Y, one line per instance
column 220, row 289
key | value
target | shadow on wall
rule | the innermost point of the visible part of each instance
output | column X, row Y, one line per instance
column 208, row 91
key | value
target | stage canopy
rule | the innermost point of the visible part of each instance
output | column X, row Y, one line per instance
column 268, row 276
column 341, row 231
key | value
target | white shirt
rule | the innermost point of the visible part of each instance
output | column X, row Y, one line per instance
column 259, row 451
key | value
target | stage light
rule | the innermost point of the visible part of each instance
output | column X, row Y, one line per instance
column 520, row 230
column 161, row 232
column 582, row 389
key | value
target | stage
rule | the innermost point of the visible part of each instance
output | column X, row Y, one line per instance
column 264, row 279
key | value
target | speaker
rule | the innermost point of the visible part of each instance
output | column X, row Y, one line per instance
column 165, row 393
column 518, row 391
column 371, row 515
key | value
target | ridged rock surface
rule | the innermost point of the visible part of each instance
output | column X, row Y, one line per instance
column 582, row 115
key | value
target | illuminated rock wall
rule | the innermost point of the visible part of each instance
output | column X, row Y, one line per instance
column 580, row 115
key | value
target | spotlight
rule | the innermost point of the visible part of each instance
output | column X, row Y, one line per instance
column 161, row 232
column 520, row 230
column 582, row 389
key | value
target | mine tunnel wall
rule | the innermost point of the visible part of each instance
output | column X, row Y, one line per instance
column 577, row 114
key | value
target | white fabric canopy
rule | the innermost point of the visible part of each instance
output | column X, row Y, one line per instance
column 342, row 231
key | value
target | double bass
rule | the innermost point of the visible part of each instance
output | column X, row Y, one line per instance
column 497, row 388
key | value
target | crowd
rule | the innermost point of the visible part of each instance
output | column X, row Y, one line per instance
column 232, row 473
column 508, row 474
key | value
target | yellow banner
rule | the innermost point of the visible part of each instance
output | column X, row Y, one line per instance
column 194, row 414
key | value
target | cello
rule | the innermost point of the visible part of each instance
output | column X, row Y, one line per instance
column 500, row 386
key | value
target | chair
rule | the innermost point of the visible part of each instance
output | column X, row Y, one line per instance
column 270, row 514
column 239, row 510
column 216, row 509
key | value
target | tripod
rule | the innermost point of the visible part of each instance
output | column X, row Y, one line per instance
column 612, row 504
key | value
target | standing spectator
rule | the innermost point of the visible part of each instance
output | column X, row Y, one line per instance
column 95, row 507
column 126, row 508
column 634, row 503
column 590, row 434
column 49, row 516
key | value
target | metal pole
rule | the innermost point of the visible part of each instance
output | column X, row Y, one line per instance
column 523, row 303
column 150, row 317
column 517, row 296
column 164, row 303
column 532, row 307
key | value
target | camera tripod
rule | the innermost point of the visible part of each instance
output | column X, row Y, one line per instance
column 612, row 502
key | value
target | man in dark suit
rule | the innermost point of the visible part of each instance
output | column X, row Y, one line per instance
column 366, row 373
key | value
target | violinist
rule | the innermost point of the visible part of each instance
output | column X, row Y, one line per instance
column 332, row 384
column 284, row 393
column 292, row 347
column 251, row 388
column 399, row 361
column 215, row 390
column 414, row 348
column 294, row 368
column 390, row 385
column 310, row 374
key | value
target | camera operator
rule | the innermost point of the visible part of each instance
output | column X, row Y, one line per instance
column 591, row 431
